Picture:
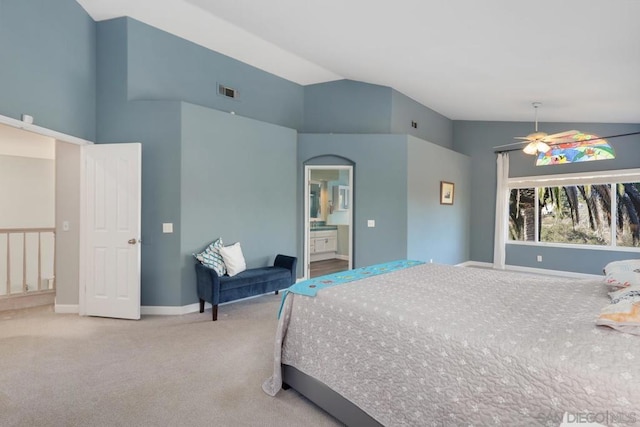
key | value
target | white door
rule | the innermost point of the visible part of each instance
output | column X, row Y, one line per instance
column 111, row 231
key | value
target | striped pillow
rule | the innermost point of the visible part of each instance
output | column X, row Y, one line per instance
column 211, row 257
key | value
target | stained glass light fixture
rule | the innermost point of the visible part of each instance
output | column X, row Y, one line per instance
column 580, row 147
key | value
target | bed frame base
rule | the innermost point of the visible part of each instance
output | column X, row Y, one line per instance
column 327, row 399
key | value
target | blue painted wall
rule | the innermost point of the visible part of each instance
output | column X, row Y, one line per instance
column 348, row 106
column 134, row 78
column 157, row 125
column 434, row 231
column 380, row 190
column 579, row 261
column 477, row 140
column 432, row 126
column 238, row 182
column 208, row 172
column 162, row 66
column 48, row 51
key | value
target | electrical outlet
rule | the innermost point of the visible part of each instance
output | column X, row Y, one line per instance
column 371, row 223
column 539, row 258
column 167, row 227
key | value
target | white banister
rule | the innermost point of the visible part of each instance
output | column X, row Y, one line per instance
column 46, row 256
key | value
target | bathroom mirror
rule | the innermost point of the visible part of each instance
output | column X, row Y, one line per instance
column 341, row 197
column 314, row 200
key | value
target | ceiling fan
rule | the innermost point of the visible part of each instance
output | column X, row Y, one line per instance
column 543, row 145
column 540, row 142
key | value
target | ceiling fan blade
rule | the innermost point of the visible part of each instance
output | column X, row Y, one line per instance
column 516, row 145
column 565, row 134
column 525, row 138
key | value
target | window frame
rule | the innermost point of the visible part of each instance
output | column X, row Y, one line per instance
column 608, row 177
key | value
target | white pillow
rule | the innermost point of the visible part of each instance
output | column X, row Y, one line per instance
column 233, row 259
column 620, row 274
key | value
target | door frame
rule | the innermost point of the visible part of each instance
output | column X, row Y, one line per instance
column 69, row 139
column 306, row 212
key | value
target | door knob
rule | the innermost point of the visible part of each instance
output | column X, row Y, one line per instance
column 132, row 241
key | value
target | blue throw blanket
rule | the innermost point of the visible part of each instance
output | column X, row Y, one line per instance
column 312, row 286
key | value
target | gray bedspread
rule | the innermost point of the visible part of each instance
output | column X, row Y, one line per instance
column 442, row 345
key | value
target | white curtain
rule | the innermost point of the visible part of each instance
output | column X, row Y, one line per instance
column 502, row 211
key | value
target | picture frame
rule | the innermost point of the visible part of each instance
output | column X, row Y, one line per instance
column 446, row 192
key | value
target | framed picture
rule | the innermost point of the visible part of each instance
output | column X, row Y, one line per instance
column 446, row 192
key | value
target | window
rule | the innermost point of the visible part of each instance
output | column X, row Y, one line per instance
column 628, row 233
column 578, row 214
column 600, row 209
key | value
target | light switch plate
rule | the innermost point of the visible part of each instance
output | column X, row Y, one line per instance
column 371, row 223
column 167, row 227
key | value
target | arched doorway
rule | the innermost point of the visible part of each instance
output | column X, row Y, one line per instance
column 328, row 216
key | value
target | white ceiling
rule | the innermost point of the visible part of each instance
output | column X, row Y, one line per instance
column 466, row 59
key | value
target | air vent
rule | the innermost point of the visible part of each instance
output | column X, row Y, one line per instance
column 228, row 92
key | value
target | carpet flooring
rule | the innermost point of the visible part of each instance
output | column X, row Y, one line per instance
column 67, row 370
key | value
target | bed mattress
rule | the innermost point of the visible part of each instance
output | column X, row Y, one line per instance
column 443, row 345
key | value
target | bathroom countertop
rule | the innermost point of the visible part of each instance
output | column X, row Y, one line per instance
column 324, row 228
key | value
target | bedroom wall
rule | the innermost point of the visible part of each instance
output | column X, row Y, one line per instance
column 380, row 190
column 477, row 140
column 348, row 106
column 122, row 81
column 238, row 182
column 432, row 126
column 162, row 66
column 48, row 51
column 169, row 130
column 434, row 231
column 156, row 125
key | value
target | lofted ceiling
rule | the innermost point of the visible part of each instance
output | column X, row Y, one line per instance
column 466, row 59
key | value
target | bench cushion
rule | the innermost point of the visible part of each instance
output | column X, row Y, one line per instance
column 254, row 276
column 255, row 281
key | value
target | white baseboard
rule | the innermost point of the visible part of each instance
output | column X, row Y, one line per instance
column 544, row 271
column 152, row 310
column 160, row 310
column 560, row 273
column 342, row 257
column 157, row 310
column 66, row 308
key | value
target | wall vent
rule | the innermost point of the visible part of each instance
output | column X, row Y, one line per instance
column 228, row 92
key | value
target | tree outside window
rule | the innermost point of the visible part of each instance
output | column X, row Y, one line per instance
column 576, row 214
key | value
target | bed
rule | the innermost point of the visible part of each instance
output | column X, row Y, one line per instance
column 442, row 345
